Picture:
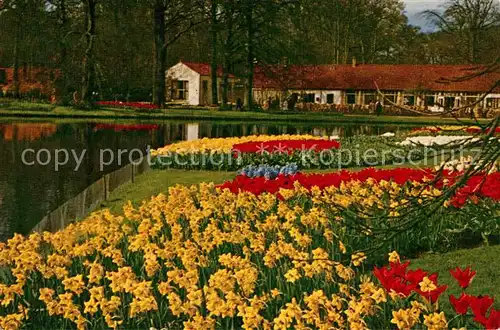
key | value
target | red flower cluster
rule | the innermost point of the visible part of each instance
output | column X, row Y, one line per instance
column 285, row 146
column 399, row 279
column 476, row 130
column 261, row 185
column 478, row 186
column 139, row 105
column 433, row 130
column 478, row 304
column 125, row 127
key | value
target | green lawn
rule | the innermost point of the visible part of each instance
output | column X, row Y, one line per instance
column 36, row 110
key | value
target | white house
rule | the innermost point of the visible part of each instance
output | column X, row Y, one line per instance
column 191, row 84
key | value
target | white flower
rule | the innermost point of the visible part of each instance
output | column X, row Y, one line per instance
column 438, row 140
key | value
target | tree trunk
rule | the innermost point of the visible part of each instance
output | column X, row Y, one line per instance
column 227, row 55
column 160, row 54
column 250, row 55
column 88, row 60
column 473, row 47
column 213, row 44
column 15, row 79
column 62, row 76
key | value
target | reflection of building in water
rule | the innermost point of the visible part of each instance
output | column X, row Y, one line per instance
column 192, row 131
column 27, row 132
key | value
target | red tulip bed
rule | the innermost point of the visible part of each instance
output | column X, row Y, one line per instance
column 135, row 105
column 285, row 146
column 477, row 130
column 126, row 127
column 479, row 186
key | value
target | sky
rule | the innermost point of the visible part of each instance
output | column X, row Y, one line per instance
column 414, row 7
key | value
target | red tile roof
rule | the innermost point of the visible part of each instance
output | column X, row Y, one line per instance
column 365, row 77
column 204, row 69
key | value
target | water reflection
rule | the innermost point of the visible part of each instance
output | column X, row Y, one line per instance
column 28, row 193
column 26, row 131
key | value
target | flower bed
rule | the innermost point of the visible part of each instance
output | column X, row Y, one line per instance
column 305, row 151
column 451, row 130
column 269, row 172
column 206, row 258
column 464, row 163
column 224, row 145
column 125, row 127
column 401, row 282
column 479, row 186
column 440, row 140
column 286, row 146
column 135, row 105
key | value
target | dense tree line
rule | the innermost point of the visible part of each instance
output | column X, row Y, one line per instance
column 121, row 48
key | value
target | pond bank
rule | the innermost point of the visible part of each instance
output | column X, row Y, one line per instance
column 35, row 111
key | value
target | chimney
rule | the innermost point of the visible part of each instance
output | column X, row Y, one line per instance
column 354, row 62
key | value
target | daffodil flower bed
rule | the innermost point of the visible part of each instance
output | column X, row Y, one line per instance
column 307, row 151
column 223, row 145
column 202, row 257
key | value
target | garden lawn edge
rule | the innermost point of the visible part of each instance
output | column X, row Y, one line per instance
column 205, row 114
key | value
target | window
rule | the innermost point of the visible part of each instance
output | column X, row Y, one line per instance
column 351, row 97
column 469, row 100
column 493, row 103
column 392, row 96
column 449, row 102
column 370, row 98
column 182, row 90
column 430, row 101
column 3, row 77
column 330, row 98
column 309, row 98
column 410, row 100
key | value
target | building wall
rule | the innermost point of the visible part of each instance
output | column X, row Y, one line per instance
column 182, row 72
column 206, row 95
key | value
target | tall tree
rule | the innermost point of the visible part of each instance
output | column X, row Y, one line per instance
column 171, row 20
column 89, row 65
column 468, row 22
column 213, row 45
column 229, row 46
column 160, row 52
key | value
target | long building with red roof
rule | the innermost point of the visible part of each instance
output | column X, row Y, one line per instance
column 425, row 86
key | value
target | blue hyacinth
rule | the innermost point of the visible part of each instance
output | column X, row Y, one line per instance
column 269, row 172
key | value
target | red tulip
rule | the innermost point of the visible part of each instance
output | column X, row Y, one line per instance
column 480, row 306
column 434, row 295
column 461, row 305
column 463, row 277
column 493, row 322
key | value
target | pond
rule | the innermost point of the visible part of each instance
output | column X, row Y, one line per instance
column 29, row 189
